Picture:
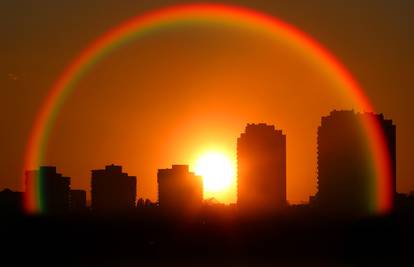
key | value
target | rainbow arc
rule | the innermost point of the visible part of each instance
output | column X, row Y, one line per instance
column 232, row 16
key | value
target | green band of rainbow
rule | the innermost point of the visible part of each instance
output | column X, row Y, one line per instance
column 205, row 13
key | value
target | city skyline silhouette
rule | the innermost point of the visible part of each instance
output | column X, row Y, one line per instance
column 225, row 133
column 113, row 104
column 261, row 228
column 344, row 162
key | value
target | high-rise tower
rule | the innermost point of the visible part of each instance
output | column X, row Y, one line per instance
column 53, row 187
column 179, row 190
column 347, row 181
column 113, row 190
column 261, row 169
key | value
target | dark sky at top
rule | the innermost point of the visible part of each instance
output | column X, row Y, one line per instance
column 373, row 38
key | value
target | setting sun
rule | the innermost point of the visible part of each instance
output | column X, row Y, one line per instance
column 218, row 171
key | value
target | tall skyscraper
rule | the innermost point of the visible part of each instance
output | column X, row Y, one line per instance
column 54, row 188
column 346, row 179
column 113, row 191
column 179, row 190
column 261, row 169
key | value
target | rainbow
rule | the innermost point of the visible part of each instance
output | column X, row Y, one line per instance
column 202, row 13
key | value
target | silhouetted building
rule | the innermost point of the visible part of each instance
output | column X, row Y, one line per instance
column 53, row 188
column 112, row 190
column 346, row 175
column 11, row 201
column 77, row 200
column 261, row 169
column 179, row 190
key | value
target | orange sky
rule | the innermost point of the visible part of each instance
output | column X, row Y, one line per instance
column 171, row 95
column 164, row 98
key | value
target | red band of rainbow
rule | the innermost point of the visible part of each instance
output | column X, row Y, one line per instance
column 225, row 14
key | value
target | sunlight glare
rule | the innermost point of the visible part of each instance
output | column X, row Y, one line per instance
column 218, row 171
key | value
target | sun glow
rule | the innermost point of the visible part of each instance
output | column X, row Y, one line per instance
column 218, row 172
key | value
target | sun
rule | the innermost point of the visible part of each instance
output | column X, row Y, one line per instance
column 218, row 172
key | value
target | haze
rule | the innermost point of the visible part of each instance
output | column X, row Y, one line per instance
column 170, row 96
